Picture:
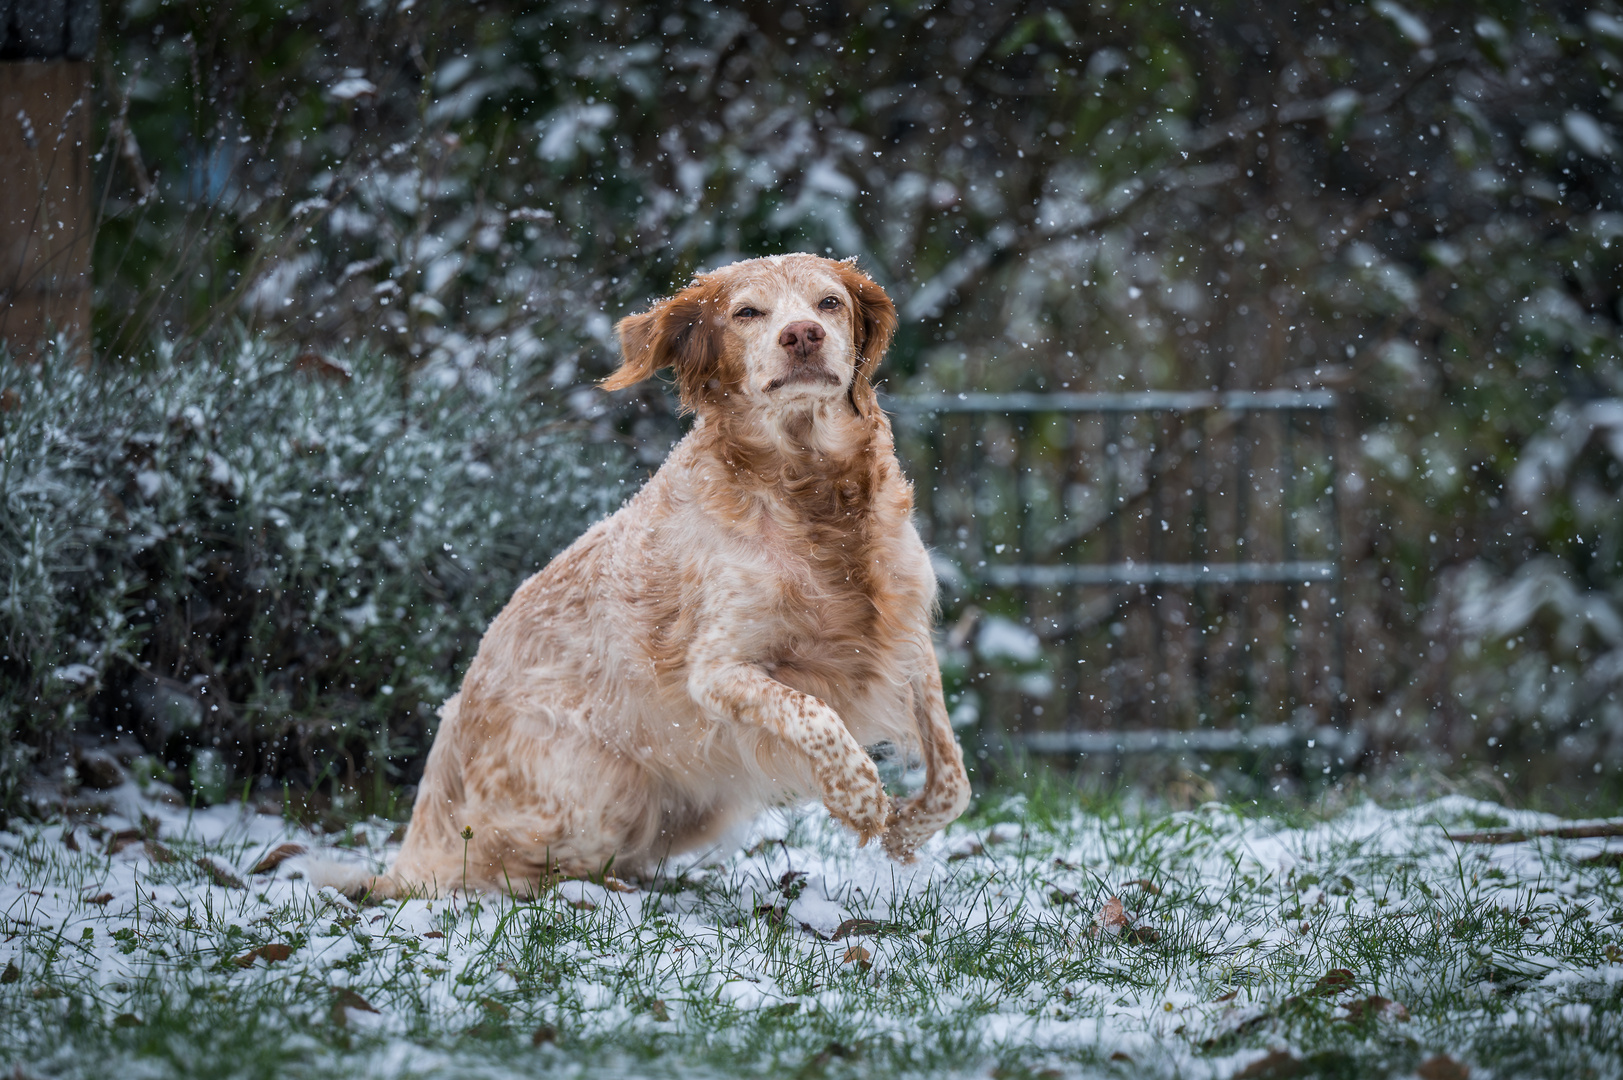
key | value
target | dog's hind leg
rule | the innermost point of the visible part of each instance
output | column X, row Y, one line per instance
column 433, row 847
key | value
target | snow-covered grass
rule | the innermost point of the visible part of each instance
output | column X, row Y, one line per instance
column 1363, row 943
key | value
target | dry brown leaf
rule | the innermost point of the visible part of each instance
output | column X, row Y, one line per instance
column 11, row 974
column 100, row 899
column 70, row 841
column 658, row 1011
column 1333, row 982
column 349, row 999
column 1112, row 918
column 1144, row 883
column 614, row 884
column 220, row 876
column 1119, row 1056
column 1276, row 1066
column 494, row 1007
column 1376, row 1006
column 270, row 953
column 1230, row 996
column 1442, row 1067
column 276, row 856
column 434, row 934
column 345, row 999
column 123, row 839
column 583, row 905
column 856, row 926
column 859, row 956
column 970, row 852
column 158, row 853
column 546, row 1033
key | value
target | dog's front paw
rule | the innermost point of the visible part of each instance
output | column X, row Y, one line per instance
column 907, row 833
column 856, row 799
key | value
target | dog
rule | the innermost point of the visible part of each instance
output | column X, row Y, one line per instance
column 731, row 638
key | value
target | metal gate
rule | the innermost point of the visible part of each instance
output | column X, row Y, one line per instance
column 1136, row 571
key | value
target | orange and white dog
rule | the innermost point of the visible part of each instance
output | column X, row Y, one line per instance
column 732, row 637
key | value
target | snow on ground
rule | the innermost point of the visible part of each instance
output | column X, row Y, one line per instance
column 1369, row 938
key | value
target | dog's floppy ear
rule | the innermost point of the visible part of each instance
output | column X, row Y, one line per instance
column 873, row 323
column 681, row 332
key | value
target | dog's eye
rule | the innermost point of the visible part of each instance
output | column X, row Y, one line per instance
column 829, row 303
column 746, row 313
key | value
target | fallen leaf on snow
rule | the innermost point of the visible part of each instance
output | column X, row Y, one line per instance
column 100, row 899
column 856, row 926
column 1112, row 918
column 345, row 999
column 1377, row 1006
column 1442, row 1067
column 614, row 884
column 123, row 839
column 859, row 956
column 270, row 953
column 276, row 856
column 219, row 875
column 1277, row 1065
column 1333, row 982
column 1146, row 884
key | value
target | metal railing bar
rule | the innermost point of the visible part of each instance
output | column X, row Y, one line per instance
column 1130, row 573
column 1134, row 401
column 1199, row 740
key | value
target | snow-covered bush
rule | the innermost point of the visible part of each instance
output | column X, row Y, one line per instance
column 1541, row 656
column 279, row 557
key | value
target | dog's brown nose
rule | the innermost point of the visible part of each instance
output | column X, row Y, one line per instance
column 801, row 338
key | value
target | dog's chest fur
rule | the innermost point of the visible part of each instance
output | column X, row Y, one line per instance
column 830, row 587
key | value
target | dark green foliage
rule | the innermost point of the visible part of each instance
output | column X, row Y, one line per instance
column 287, row 563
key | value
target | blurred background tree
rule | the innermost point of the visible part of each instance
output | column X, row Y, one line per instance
column 1415, row 205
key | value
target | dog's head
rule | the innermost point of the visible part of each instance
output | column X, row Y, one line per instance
column 764, row 333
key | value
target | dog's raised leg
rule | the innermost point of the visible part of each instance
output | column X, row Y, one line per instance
column 849, row 781
column 945, row 793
